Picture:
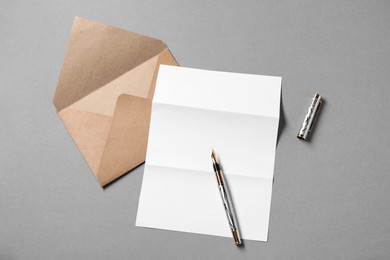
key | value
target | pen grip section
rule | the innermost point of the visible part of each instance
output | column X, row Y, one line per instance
column 218, row 174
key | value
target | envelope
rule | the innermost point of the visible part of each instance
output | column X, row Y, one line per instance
column 104, row 95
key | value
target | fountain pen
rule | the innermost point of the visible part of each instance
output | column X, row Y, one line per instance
column 227, row 202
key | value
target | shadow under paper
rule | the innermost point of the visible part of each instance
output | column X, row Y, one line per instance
column 282, row 120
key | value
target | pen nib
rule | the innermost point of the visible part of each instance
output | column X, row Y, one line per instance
column 213, row 156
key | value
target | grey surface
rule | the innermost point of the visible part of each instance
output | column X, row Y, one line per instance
column 330, row 197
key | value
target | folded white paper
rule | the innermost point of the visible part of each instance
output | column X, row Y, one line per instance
column 197, row 110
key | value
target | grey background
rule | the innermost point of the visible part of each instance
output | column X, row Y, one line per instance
column 330, row 197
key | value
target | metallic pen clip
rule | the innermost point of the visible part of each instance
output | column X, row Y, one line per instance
column 310, row 118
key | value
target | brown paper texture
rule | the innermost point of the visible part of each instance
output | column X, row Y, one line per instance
column 104, row 94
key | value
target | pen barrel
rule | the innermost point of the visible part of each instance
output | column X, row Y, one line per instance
column 229, row 209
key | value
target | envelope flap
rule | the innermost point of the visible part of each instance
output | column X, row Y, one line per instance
column 98, row 54
column 136, row 82
column 127, row 140
column 89, row 131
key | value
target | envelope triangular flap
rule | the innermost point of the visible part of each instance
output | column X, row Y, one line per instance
column 136, row 82
column 128, row 137
column 127, row 140
column 89, row 131
column 98, row 54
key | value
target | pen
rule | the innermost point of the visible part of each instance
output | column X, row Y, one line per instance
column 227, row 202
column 310, row 118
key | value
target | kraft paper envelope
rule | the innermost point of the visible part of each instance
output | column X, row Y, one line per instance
column 104, row 95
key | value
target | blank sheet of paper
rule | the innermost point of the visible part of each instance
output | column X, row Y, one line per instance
column 197, row 110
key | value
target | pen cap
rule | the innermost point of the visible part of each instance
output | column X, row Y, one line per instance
column 310, row 117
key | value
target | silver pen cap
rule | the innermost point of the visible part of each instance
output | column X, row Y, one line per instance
column 310, row 117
